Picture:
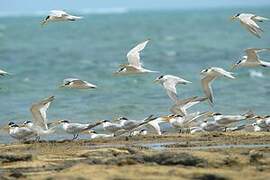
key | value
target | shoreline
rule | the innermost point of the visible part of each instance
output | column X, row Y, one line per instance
column 241, row 155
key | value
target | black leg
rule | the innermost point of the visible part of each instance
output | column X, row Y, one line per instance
column 75, row 136
column 37, row 138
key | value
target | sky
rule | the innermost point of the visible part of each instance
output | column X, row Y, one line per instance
column 32, row 6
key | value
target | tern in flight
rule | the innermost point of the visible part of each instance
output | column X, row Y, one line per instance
column 169, row 83
column 59, row 15
column 208, row 76
column 252, row 59
column 249, row 22
column 77, row 84
column 134, row 65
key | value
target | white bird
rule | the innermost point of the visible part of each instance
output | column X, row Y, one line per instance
column 77, row 84
column 141, row 132
column 211, row 126
column 263, row 121
column 110, row 127
column 134, row 65
column 3, row 73
column 257, row 128
column 181, row 106
column 76, row 128
column 209, row 75
column 224, row 120
column 20, row 133
column 59, row 15
column 249, row 22
column 252, row 59
column 179, row 122
column 129, row 125
column 95, row 135
column 169, row 83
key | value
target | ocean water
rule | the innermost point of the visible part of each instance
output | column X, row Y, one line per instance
column 183, row 42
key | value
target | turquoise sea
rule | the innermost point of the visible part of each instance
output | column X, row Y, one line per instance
column 183, row 42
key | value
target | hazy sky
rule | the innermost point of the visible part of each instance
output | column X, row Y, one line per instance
column 28, row 6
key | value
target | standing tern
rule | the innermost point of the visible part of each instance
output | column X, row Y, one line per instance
column 169, row 83
column 249, row 22
column 134, row 65
column 20, row 133
column 252, row 59
column 77, row 84
column 228, row 119
column 111, row 127
column 209, row 75
column 59, row 15
column 76, row 128
column 181, row 106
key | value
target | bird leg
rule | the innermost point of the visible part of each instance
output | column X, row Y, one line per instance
column 75, row 136
column 37, row 138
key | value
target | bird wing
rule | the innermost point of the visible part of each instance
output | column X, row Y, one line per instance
column 259, row 18
column 170, row 88
column 220, row 71
column 252, row 54
column 207, row 89
column 39, row 110
column 58, row 13
column 133, row 55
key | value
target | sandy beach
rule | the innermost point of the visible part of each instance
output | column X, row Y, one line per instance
column 237, row 155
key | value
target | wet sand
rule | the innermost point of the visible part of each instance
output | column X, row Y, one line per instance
column 220, row 156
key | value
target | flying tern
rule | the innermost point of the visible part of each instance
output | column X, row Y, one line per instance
column 134, row 65
column 169, row 83
column 208, row 76
column 59, row 15
column 249, row 22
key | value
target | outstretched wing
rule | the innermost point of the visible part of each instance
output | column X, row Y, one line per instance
column 133, row 55
column 207, row 89
column 222, row 72
column 39, row 110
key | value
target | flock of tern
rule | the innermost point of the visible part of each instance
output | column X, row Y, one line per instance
column 180, row 118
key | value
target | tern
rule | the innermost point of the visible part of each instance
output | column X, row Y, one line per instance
column 252, row 59
column 59, row 15
column 179, row 122
column 77, row 84
column 95, row 135
column 76, row 128
column 209, row 75
column 39, row 113
column 181, row 106
column 110, row 127
column 128, row 124
column 249, row 22
column 263, row 121
column 211, row 126
column 169, row 83
column 21, row 133
column 134, row 65
column 221, row 119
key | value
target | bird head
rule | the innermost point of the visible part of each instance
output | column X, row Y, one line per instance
column 45, row 20
column 236, row 16
column 27, row 122
column 159, row 79
column 12, row 124
column 205, row 71
column 122, row 118
column 92, row 132
column 63, row 121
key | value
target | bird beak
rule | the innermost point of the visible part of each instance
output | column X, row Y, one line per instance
column 233, row 67
column 232, row 18
column 43, row 23
column 156, row 81
column 166, row 118
column 5, row 128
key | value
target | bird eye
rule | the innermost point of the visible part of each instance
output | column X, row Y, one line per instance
column 237, row 15
column 160, row 77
